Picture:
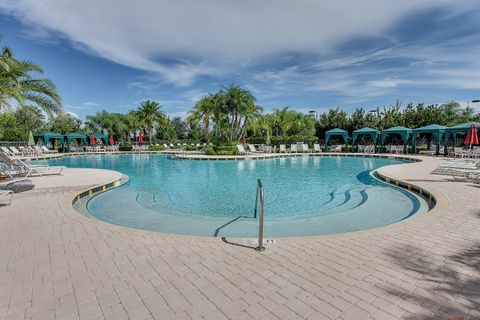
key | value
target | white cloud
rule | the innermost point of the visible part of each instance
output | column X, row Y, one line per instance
column 184, row 39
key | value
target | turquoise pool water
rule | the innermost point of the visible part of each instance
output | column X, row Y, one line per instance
column 303, row 195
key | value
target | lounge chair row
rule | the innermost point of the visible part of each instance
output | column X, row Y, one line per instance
column 294, row 148
column 26, row 151
column 12, row 166
column 465, row 168
column 181, row 145
column 466, row 153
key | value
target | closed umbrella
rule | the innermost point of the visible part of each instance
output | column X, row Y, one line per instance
column 140, row 137
column 92, row 140
column 110, row 141
column 472, row 137
column 31, row 142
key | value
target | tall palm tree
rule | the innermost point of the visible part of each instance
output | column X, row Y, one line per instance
column 17, row 83
column 203, row 112
column 239, row 105
column 284, row 120
column 148, row 115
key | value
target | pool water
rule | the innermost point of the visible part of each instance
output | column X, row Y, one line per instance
column 309, row 195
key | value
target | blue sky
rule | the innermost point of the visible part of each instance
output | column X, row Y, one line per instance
column 309, row 54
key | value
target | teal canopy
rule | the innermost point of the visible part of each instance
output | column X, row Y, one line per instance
column 75, row 136
column 337, row 132
column 98, row 136
column 436, row 132
column 461, row 128
column 46, row 137
column 403, row 132
column 373, row 133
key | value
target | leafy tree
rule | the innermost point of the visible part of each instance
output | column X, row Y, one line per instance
column 334, row 118
column 10, row 130
column 148, row 115
column 17, row 83
column 65, row 123
column 30, row 118
column 180, row 127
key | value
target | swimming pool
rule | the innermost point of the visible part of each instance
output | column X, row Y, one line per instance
column 309, row 195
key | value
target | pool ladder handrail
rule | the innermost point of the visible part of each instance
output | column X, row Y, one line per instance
column 260, row 196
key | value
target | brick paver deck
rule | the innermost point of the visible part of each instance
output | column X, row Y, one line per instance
column 57, row 264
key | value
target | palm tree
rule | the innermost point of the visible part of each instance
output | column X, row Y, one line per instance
column 283, row 120
column 16, row 83
column 239, row 105
column 203, row 112
column 148, row 115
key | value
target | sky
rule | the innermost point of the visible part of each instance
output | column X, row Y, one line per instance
column 307, row 54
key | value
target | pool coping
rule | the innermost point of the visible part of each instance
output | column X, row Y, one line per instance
column 67, row 204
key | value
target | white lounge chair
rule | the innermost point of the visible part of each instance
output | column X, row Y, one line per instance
column 251, row 147
column 6, row 150
column 337, row 148
column 241, row 149
column 16, row 167
column 46, row 150
column 293, row 148
column 283, row 148
column 305, row 148
column 15, row 151
column 316, row 148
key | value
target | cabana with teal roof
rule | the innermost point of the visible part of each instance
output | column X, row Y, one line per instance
column 47, row 137
column 433, row 131
column 373, row 133
column 69, row 138
column 404, row 133
column 337, row 132
column 98, row 136
column 461, row 128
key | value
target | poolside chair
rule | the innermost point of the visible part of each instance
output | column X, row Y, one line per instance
column 305, row 148
column 283, row 148
column 294, row 148
column 46, row 150
column 337, row 148
column 165, row 146
column 6, row 150
column 13, row 166
column 316, row 148
column 6, row 197
column 241, row 149
column 15, row 151
column 252, row 149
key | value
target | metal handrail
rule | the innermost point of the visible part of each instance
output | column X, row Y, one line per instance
column 260, row 195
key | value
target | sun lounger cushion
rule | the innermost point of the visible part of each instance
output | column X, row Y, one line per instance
column 16, row 186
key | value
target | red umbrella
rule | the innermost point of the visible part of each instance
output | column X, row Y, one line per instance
column 92, row 140
column 140, row 137
column 110, row 141
column 472, row 137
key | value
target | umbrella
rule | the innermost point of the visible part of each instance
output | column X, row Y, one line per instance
column 111, row 141
column 92, row 140
column 140, row 137
column 472, row 137
column 31, row 142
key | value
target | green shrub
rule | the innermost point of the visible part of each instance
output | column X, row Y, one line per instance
column 125, row 148
column 210, row 152
column 156, row 148
column 191, row 148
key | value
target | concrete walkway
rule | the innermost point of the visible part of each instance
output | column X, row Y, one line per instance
column 57, row 264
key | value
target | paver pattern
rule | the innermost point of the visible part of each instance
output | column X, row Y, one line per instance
column 57, row 264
